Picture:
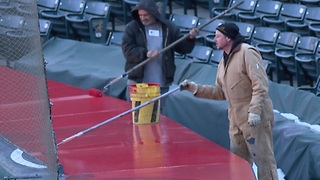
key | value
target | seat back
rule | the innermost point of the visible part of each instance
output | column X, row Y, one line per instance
column 307, row 44
column 288, row 12
column 308, row 65
column 287, row 40
column 312, row 15
column 302, row 27
column 199, row 54
column 286, row 59
column 11, row 22
column 263, row 9
column 306, row 47
column 96, row 9
column 247, row 6
column 92, row 25
column 48, row 5
column 314, row 89
column 71, row 7
column 246, row 30
column 215, row 57
column 184, row 22
column 292, row 11
column 211, row 27
column 58, row 17
column 264, row 35
column 268, row 8
column 115, row 38
column 45, row 27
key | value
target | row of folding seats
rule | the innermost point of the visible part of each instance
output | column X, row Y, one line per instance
column 286, row 16
column 65, row 15
column 269, row 41
column 291, row 56
column 305, row 70
column 77, row 19
column 18, row 7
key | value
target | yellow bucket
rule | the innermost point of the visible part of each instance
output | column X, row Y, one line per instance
column 141, row 93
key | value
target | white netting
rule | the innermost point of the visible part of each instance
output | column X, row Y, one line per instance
column 26, row 133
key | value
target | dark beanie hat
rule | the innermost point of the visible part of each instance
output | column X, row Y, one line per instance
column 231, row 30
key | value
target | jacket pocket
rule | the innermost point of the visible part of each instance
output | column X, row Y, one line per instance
column 240, row 90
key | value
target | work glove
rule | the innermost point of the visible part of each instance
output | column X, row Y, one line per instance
column 253, row 119
column 189, row 85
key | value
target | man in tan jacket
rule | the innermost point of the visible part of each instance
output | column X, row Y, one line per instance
column 242, row 81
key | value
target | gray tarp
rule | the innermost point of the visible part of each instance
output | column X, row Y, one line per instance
column 85, row 65
column 297, row 148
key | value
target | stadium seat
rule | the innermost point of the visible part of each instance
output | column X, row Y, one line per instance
column 199, row 54
column 17, row 7
column 92, row 24
column 285, row 40
column 263, row 9
column 58, row 17
column 314, row 29
column 215, row 57
column 186, row 4
column 115, row 38
column 184, row 22
column 16, row 28
column 209, row 29
column 246, row 30
column 45, row 30
column 285, row 58
column 208, row 5
column 47, row 5
column 308, row 64
column 24, row 8
column 289, row 11
column 116, row 12
column 264, row 35
column 8, row 25
column 314, row 89
column 247, row 6
column 11, row 22
column 194, row 4
column 5, row 5
column 302, row 26
column 310, row 3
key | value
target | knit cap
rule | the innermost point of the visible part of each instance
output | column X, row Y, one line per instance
column 231, row 30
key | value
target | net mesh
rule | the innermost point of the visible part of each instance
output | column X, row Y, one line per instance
column 25, row 119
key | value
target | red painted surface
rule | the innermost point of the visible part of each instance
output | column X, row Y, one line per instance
column 123, row 150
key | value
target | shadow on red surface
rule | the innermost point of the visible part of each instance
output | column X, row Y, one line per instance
column 123, row 150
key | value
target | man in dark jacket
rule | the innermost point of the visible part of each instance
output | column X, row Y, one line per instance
column 144, row 37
